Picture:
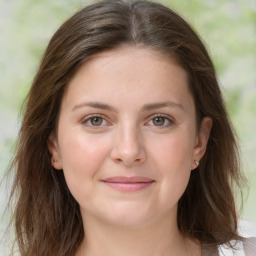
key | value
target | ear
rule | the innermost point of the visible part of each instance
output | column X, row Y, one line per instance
column 54, row 151
column 201, row 140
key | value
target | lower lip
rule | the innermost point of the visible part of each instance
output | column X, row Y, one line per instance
column 129, row 187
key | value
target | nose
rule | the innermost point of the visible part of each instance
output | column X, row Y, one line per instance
column 128, row 147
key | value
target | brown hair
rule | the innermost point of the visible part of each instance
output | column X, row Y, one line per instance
column 47, row 218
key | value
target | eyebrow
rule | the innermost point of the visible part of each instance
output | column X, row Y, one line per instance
column 98, row 105
column 149, row 107
column 146, row 107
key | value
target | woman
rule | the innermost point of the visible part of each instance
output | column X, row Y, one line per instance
column 126, row 147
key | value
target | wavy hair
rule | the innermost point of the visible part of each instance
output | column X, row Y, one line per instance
column 47, row 217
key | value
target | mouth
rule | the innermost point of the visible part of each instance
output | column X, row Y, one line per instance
column 128, row 184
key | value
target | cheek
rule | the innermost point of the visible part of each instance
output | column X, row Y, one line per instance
column 81, row 156
column 80, row 151
column 173, row 156
column 174, row 152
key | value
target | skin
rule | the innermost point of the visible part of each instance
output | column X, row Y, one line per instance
column 131, row 137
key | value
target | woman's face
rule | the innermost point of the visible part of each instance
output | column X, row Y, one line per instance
column 127, row 137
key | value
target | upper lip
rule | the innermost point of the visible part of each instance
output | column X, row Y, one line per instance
column 123, row 179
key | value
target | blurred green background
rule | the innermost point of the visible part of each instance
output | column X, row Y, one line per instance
column 228, row 28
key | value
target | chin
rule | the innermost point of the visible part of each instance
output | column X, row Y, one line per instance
column 129, row 215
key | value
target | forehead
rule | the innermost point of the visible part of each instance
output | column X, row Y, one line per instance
column 126, row 55
column 130, row 73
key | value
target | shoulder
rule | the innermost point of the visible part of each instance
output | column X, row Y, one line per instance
column 249, row 246
column 247, row 229
column 246, row 247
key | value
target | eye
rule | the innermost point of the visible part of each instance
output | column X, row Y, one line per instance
column 94, row 121
column 161, row 121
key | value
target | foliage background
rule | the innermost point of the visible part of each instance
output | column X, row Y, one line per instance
column 228, row 27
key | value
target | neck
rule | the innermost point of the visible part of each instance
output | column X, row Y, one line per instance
column 162, row 238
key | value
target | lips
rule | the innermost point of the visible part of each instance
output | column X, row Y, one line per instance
column 128, row 184
column 122, row 179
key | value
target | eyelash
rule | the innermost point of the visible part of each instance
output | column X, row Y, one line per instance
column 166, row 117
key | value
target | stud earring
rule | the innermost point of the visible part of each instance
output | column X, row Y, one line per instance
column 54, row 160
column 196, row 162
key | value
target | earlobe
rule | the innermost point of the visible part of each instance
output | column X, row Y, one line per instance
column 201, row 141
column 54, row 152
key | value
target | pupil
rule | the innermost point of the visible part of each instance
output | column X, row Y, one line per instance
column 97, row 121
column 159, row 121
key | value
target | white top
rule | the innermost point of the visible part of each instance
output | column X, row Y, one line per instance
column 247, row 247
